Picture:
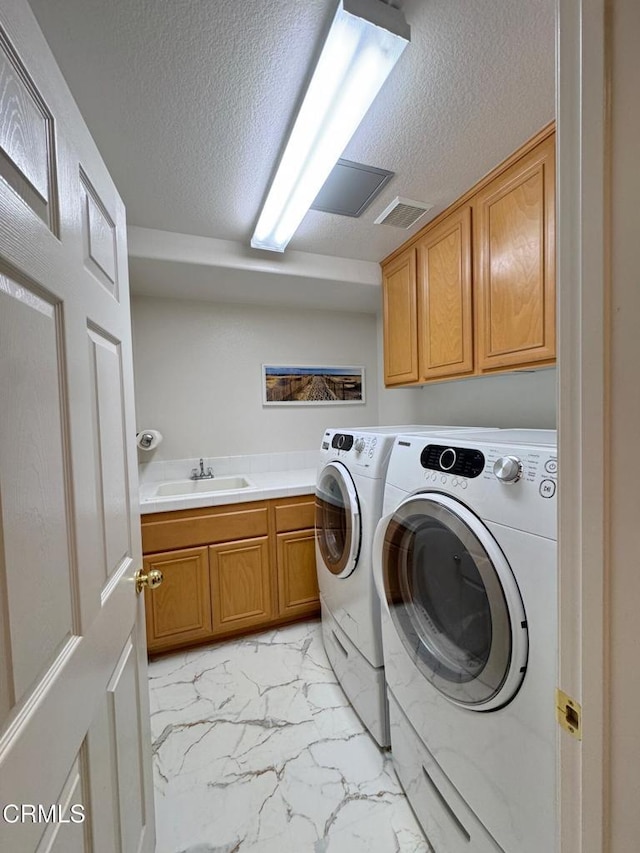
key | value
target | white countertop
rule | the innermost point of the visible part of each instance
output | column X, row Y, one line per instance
column 270, row 484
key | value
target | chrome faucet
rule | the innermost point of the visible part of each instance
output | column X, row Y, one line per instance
column 201, row 474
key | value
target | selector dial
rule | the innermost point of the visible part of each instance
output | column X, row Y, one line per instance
column 359, row 445
column 448, row 459
column 508, row 469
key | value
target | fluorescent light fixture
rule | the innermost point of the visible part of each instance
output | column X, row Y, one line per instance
column 365, row 41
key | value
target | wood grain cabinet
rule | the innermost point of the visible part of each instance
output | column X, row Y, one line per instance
column 296, row 559
column 445, row 315
column 240, row 584
column 251, row 566
column 180, row 609
column 474, row 291
column 400, row 319
column 515, row 263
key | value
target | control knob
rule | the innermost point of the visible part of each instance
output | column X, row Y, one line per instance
column 508, row 469
column 359, row 445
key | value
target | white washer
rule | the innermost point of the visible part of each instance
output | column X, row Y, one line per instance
column 465, row 566
column 349, row 492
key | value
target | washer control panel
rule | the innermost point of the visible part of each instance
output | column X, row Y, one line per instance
column 456, row 466
column 536, row 467
column 342, row 441
column 362, row 449
column 463, row 461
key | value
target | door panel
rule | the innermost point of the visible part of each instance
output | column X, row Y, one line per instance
column 71, row 627
column 101, row 796
column 37, row 523
column 99, row 238
column 114, row 512
column 64, row 837
column 27, row 141
column 123, row 691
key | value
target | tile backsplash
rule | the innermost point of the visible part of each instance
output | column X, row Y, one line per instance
column 224, row 466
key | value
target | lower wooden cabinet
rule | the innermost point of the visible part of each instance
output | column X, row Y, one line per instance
column 240, row 584
column 180, row 609
column 297, row 577
column 217, row 588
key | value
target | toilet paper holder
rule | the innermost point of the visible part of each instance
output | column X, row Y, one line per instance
column 148, row 439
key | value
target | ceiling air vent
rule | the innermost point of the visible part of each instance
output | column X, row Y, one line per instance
column 350, row 188
column 402, row 213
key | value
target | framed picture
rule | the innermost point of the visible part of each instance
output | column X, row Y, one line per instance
column 311, row 385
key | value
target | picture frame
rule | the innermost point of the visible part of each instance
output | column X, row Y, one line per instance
column 312, row 385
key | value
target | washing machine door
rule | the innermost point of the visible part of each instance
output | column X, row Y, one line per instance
column 454, row 601
column 337, row 520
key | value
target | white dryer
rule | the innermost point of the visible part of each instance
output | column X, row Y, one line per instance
column 349, row 492
column 465, row 566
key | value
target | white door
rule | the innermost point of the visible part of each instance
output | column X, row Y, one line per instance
column 74, row 719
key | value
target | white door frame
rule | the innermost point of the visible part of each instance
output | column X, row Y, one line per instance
column 598, row 418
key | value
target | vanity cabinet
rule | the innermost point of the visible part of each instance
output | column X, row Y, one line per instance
column 240, row 584
column 474, row 291
column 296, row 559
column 179, row 609
column 229, row 570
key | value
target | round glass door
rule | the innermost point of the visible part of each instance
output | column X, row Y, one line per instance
column 337, row 520
column 454, row 601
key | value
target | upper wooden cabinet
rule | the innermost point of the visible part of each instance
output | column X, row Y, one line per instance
column 445, row 316
column 474, row 291
column 514, row 231
column 400, row 320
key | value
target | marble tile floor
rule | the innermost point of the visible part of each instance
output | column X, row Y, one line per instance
column 256, row 748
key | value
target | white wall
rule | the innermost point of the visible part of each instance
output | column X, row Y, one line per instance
column 198, row 374
column 198, row 380
column 503, row 400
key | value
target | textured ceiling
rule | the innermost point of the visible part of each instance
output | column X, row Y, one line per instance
column 189, row 102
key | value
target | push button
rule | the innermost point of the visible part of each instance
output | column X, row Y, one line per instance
column 551, row 467
column 547, row 488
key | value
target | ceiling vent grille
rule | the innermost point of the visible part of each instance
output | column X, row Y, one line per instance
column 402, row 213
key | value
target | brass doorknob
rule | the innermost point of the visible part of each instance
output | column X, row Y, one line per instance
column 151, row 580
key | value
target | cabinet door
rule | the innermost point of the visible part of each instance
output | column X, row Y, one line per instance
column 179, row 611
column 445, row 315
column 514, row 231
column 240, row 584
column 400, row 320
column 298, row 593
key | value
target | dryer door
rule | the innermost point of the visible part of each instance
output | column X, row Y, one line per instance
column 337, row 520
column 454, row 601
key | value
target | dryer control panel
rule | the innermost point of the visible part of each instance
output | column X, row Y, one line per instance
column 364, row 452
column 463, row 461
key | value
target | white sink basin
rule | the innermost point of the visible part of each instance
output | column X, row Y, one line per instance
column 201, row 487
